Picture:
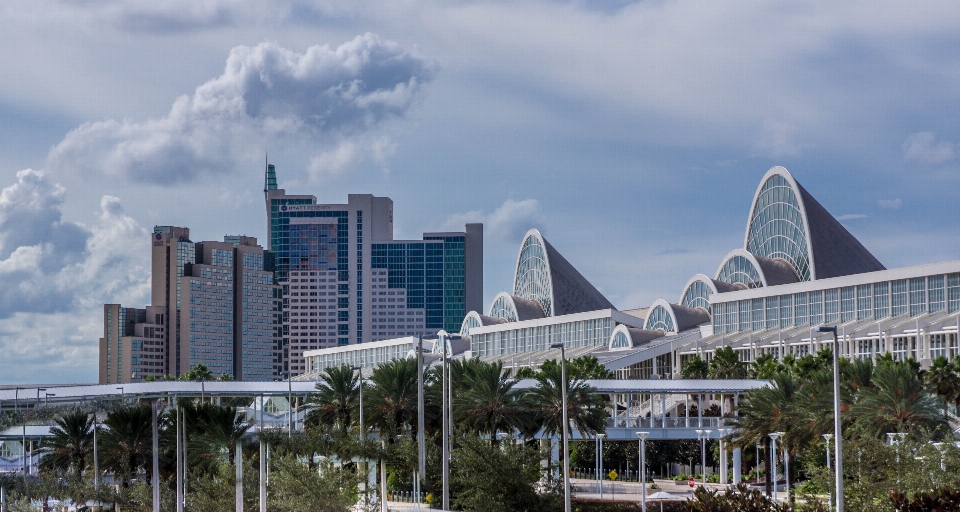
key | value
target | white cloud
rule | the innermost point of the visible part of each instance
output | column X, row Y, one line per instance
column 851, row 216
column 777, row 139
column 508, row 223
column 55, row 276
column 922, row 147
column 320, row 98
column 334, row 162
column 892, row 204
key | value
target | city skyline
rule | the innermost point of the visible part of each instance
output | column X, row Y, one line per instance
column 631, row 134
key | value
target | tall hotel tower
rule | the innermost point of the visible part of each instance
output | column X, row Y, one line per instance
column 213, row 303
column 346, row 280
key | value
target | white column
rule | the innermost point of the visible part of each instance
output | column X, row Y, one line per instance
column 736, row 466
column 723, row 461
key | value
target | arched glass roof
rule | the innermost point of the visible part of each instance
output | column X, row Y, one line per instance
column 532, row 280
column 620, row 340
column 469, row 322
column 660, row 319
column 697, row 295
column 740, row 270
column 504, row 308
column 777, row 228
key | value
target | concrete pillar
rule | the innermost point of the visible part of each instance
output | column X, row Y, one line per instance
column 723, row 462
column 736, row 466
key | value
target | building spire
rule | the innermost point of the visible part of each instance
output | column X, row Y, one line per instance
column 269, row 177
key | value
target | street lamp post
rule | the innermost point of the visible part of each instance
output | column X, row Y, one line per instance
column 46, row 399
column 600, row 461
column 446, row 404
column 643, row 469
column 838, row 435
column 563, row 432
column 826, row 439
column 786, row 464
column 38, row 396
column 421, row 438
column 363, row 434
column 703, row 435
column 773, row 459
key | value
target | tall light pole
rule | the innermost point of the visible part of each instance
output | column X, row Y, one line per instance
column 643, row 469
column 363, row 433
column 703, row 435
column 826, row 439
column 786, row 465
column 773, row 459
column 600, row 474
column 46, row 399
column 38, row 396
column 421, row 456
column 446, row 404
column 838, row 435
column 566, row 425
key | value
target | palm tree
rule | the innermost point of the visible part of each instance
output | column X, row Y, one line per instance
column 336, row 400
column 585, row 409
column 490, row 403
column 70, row 444
column 763, row 367
column 943, row 379
column 695, row 368
column 726, row 364
column 898, row 402
column 126, row 446
column 392, row 402
column 218, row 430
column 767, row 410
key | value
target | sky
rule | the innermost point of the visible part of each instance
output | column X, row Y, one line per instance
column 632, row 134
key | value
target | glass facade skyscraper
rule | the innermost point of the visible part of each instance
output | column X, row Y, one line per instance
column 345, row 279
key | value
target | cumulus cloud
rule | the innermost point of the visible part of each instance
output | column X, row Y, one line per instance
column 892, row 204
column 922, row 147
column 322, row 97
column 48, row 264
column 509, row 222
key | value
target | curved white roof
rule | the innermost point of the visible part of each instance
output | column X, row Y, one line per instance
column 786, row 223
column 545, row 276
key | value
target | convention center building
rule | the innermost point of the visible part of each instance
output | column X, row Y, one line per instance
column 799, row 269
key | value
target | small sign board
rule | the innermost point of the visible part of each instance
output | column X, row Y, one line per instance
column 692, row 482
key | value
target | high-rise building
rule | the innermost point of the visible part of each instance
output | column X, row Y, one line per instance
column 213, row 303
column 346, row 280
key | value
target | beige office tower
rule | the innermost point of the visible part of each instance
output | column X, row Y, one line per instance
column 133, row 347
column 213, row 303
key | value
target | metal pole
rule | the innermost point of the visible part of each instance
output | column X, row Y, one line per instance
column 289, row 406
column 773, row 457
column 838, row 434
column 421, row 456
column 446, row 431
column 96, row 458
column 238, row 462
column 643, row 469
column 155, row 477
column 566, row 425
column 826, row 438
column 263, row 463
column 179, row 457
column 383, row 480
column 600, row 436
